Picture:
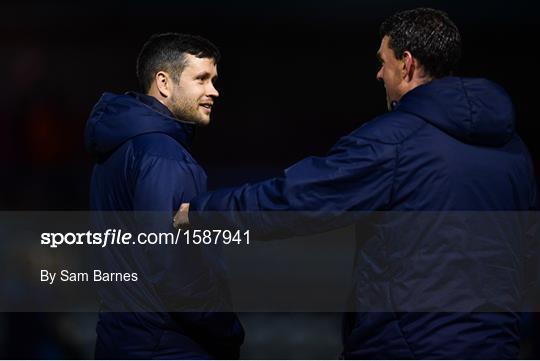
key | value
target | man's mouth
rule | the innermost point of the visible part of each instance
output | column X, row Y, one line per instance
column 206, row 106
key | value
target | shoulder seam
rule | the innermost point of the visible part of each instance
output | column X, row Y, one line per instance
column 424, row 123
column 396, row 160
column 160, row 156
column 413, row 133
column 138, row 153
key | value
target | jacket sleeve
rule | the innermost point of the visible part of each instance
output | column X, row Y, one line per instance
column 184, row 277
column 159, row 183
column 356, row 175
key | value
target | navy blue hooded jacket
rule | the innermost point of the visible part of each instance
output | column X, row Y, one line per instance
column 144, row 164
column 449, row 145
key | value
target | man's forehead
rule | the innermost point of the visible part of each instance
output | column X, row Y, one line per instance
column 384, row 46
column 385, row 42
column 194, row 61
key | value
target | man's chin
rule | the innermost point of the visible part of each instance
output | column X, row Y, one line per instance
column 200, row 121
column 203, row 121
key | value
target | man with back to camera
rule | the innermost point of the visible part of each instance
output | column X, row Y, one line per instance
column 447, row 144
column 141, row 145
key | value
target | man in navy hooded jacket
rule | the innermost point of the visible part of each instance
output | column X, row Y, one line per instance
column 447, row 144
column 141, row 145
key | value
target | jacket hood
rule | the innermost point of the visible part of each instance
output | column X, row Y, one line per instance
column 475, row 111
column 118, row 118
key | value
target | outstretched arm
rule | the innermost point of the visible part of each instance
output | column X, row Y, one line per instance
column 356, row 175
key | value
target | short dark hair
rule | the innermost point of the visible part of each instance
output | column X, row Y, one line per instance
column 429, row 35
column 168, row 52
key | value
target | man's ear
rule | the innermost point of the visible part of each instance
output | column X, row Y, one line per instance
column 163, row 83
column 409, row 65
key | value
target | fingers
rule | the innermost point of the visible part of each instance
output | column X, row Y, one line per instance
column 181, row 218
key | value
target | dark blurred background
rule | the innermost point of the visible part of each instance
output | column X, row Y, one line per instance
column 294, row 77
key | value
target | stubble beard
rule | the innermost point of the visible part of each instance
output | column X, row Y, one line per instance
column 185, row 112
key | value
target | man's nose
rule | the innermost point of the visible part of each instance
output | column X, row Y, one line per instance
column 379, row 75
column 212, row 91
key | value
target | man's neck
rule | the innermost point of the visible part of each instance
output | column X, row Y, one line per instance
column 416, row 82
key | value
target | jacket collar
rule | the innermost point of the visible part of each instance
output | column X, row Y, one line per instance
column 183, row 132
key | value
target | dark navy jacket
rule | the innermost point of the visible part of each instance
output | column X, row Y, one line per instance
column 449, row 145
column 144, row 164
